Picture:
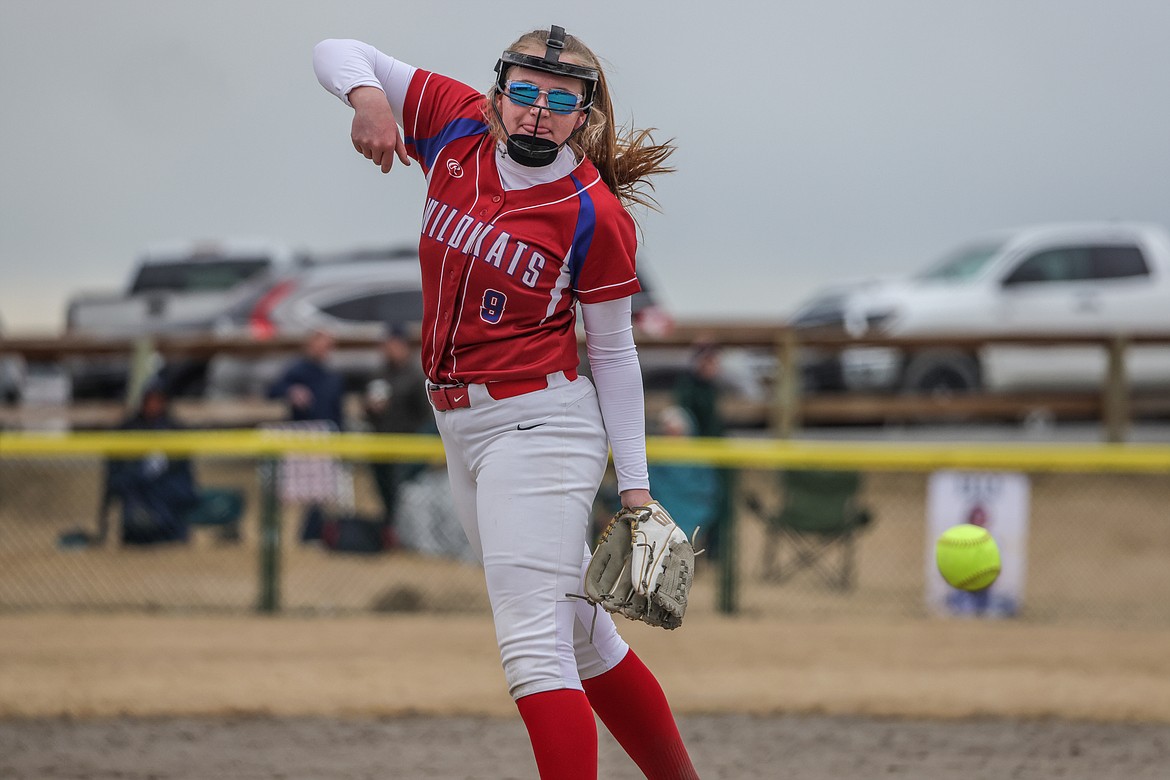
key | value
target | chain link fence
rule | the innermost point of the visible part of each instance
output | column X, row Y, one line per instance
column 54, row 556
column 1097, row 551
column 1098, row 543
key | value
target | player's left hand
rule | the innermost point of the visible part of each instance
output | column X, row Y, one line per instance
column 635, row 497
column 643, row 567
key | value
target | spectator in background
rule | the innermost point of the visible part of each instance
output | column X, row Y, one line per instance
column 691, row 491
column 697, row 392
column 156, row 492
column 314, row 393
column 311, row 388
column 396, row 402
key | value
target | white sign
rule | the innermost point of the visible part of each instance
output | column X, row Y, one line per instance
column 44, row 399
column 46, row 388
column 997, row 501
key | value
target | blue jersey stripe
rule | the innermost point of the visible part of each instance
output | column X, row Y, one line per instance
column 429, row 148
column 583, row 234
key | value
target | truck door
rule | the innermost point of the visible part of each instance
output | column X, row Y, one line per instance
column 1097, row 289
column 1050, row 291
column 1132, row 300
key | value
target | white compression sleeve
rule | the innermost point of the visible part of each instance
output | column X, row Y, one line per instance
column 613, row 361
column 343, row 64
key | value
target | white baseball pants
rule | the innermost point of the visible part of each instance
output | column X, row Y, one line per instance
column 524, row 473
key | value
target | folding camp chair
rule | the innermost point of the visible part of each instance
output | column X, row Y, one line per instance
column 815, row 527
column 220, row 508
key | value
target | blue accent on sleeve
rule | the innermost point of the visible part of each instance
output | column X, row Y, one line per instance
column 583, row 233
column 429, row 148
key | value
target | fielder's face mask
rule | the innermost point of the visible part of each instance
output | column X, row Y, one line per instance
column 531, row 150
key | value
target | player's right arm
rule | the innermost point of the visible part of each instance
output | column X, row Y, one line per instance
column 374, row 85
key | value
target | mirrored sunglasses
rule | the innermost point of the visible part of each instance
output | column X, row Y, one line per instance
column 560, row 101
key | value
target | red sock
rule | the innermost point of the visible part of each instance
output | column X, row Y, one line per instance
column 563, row 734
column 631, row 704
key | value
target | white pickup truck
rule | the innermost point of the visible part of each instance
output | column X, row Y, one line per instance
column 1092, row 278
column 179, row 287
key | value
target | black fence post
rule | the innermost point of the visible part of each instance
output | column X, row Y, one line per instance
column 727, row 597
column 269, row 601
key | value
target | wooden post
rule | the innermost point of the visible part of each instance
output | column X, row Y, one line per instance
column 142, row 365
column 1116, row 396
column 786, row 414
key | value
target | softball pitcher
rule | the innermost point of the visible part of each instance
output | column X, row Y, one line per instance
column 525, row 218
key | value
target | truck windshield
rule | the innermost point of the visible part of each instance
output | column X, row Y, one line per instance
column 201, row 276
column 962, row 264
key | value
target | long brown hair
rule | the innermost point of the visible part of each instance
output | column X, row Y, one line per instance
column 625, row 157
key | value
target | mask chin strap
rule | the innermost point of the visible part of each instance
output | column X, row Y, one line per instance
column 530, row 150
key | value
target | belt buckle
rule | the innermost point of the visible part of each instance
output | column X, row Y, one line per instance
column 448, row 397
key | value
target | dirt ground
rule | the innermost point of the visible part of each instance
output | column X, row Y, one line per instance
column 421, row 696
column 804, row 684
column 727, row 747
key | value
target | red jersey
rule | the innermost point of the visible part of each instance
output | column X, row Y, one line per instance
column 502, row 269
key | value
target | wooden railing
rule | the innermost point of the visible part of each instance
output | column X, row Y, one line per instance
column 1114, row 404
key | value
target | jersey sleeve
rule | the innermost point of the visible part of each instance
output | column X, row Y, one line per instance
column 604, row 250
column 437, row 111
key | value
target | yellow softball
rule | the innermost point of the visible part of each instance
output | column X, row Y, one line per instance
column 967, row 557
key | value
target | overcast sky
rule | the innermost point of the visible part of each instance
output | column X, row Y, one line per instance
column 818, row 140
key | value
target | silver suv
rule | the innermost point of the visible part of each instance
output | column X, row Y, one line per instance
column 357, row 294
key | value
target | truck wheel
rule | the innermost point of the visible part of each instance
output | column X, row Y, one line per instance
column 941, row 372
